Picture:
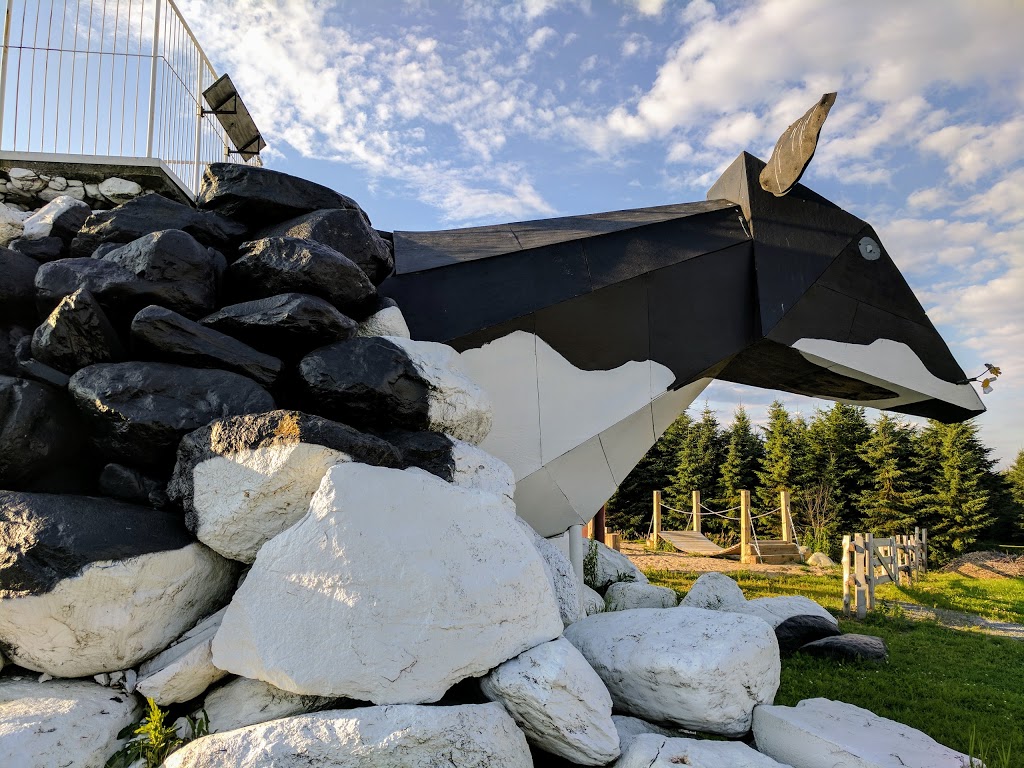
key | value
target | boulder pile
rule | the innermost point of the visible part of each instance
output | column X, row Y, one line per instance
column 233, row 485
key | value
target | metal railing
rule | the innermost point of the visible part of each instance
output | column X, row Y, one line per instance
column 117, row 79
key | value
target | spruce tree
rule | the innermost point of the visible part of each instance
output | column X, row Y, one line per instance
column 781, row 462
column 833, row 462
column 1014, row 477
column 888, row 503
column 629, row 509
column 696, row 466
column 742, row 459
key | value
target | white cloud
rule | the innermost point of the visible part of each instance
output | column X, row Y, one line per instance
column 648, row 7
column 636, row 45
column 588, row 63
column 537, row 40
column 974, row 151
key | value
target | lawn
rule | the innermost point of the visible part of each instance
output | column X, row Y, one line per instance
column 951, row 684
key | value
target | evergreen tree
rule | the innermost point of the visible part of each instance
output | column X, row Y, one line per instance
column 889, row 502
column 832, row 461
column 1014, row 478
column 741, row 461
column 696, row 465
column 629, row 509
column 781, row 462
column 957, row 509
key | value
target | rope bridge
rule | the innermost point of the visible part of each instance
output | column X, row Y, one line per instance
column 749, row 550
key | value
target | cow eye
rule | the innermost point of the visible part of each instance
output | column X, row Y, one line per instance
column 869, row 249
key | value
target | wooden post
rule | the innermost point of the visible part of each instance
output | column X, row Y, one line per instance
column 787, row 521
column 869, row 555
column 613, row 541
column 893, row 565
column 859, row 576
column 695, row 499
column 599, row 526
column 924, row 550
column 846, row 575
column 746, row 556
column 656, row 520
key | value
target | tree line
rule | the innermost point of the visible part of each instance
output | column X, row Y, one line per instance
column 846, row 474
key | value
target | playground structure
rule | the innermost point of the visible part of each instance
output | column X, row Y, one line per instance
column 868, row 561
column 751, row 549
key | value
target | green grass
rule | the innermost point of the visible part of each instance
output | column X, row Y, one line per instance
column 997, row 599
column 951, row 684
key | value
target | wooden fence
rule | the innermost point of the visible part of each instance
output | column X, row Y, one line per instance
column 868, row 561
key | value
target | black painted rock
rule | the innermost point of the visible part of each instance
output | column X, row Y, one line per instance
column 848, row 648
column 277, row 265
column 123, row 582
column 346, row 231
column 10, row 336
column 377, row 383
column 129, row 484
column 17, row 288
column 38, row 430
column 42, row 250
column 797, row 631
column 76, row 334
column 244, row 479
column 288, row 325
column 164, row 335
column 259, row 196
column 30, row 368
column 177, row 262
column 110, row 284
column 138, row 412
column 150, row 213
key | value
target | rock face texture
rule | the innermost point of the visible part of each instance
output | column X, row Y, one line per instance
column 626, row 595
column 259, row 196
column 92, row 585
column 712, row 668
column 61, row 723
column 288, row 325
column 614, row 566
column 388, row 321
column 17, row 291
column 849, row 647
column 245, row 479
column 242, row 702
column 392, row 605
column 561, row 575
column 184, row 669
column 456, row 461
column 38, row 430
column 382, row 382
column 469, row 736
column 798, row 631
column 820, row 732
column 653, row 751
column 137, row 412
column 715, row 592
column 76, row 334
column 558, row 700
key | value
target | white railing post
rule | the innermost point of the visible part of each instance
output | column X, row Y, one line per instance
column 199, row 127
column 152, row 77
column 3, row 68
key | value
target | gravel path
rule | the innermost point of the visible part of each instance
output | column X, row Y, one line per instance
column 648, row 560
column 959, row 620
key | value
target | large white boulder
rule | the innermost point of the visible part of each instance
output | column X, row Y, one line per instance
column 394, row 587
column 776, row 610
column 118, row 190
column 715, row 592
column 475, row 468
column 66, row 723
column 63, row 207
column 818, row 732
column 561, row 575
column 468, row 736
column 699, row 669
column 629, row 728
column 626, row 595
column 242, row 702
column 12, row 224
column 613, row 566
column 653, row 751
column 558, row 700
column 386, row 322
column 185, row 669
column 115, row 613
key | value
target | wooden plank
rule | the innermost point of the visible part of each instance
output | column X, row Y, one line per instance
column 691, row 542
column 746, row 556
column 869, row 561
column 656, row 518
column 860, row 599
column 787, row 522
column 846, row 575
column 884, row 560
column 695, row 499
column 924, row 550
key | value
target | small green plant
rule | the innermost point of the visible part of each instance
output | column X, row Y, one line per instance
column 624, row 576
column 153, row 740
column 590, row 566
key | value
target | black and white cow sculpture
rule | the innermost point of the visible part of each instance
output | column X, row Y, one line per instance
column 593, row 333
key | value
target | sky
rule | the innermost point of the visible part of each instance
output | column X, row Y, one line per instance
column 435, row 115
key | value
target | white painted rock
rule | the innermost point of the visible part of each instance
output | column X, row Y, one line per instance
column 592, row 601
column 561, row 575
column 456, row 405
column 468, row 736
column 118, row 190
column 614, row 566
column 818, row 732
column 26, row 180
column 387, row 322
column 820, row 559
column 629, row 728
column 698, row 669
column 715, row 592
column 402, row 585
column 558, row 701
column 474, row 468
column 776, row 610
column 11, row 224
column 41, row 223
column 653, row 751
column 114, row 614
column 243, row 702
column 185, row 669
column 626, row 595
column 65, row 723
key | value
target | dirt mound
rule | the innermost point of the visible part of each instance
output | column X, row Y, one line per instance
column 987, row 565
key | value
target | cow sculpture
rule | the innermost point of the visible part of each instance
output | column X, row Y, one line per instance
column 593, row 333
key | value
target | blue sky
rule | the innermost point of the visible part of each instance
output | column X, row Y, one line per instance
column 436, row 115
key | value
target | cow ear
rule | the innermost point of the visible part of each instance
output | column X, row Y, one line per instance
column 795, row 148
